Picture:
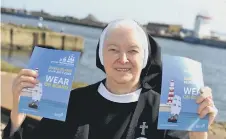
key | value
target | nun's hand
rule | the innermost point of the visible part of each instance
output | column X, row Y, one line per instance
column 206, row 107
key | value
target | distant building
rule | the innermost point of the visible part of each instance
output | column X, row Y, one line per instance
column 160, row 29
column 157, row 28
column 202, row 26
column 218, row 36
column 186, row 32
column 21, row 11
column 91, row 20
column 7, row 10
column 174, row 29
column 69, row 18
column 40, row 13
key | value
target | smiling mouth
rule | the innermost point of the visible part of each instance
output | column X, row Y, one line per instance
column 123, row 69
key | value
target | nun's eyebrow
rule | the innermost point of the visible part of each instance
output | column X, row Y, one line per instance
column 134, row 46
column 111, row 44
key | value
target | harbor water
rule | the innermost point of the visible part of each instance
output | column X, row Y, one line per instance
column 213, row 59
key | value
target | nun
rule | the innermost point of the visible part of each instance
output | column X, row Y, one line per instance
column 124, row 105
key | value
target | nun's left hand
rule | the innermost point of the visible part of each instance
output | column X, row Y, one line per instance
column 206, row 107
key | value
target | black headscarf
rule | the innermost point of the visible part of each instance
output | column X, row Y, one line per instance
column 151, row 75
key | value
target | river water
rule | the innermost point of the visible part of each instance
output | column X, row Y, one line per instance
column 213, row 59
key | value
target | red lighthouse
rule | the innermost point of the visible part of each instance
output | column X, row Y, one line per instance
column 171, row 93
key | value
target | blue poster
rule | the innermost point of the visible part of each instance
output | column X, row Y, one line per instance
column 56, row 71
column 181, row 81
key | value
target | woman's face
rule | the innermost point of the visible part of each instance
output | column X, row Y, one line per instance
column 123, row 55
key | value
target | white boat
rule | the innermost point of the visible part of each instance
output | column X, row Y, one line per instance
column 35, row 93
column 175, row 109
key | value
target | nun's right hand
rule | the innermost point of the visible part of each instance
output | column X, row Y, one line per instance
column 26, row 78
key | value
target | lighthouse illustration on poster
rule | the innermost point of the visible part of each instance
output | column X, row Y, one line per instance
column 181, row 80
column 56, row 71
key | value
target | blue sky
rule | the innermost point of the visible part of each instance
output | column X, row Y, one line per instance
column 164, row 11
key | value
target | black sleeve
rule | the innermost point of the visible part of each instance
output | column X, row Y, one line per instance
column 26, row 129
column 45, row 129
column 176, row 134
column 6, row 132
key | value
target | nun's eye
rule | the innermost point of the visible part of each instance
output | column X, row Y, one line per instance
column 113, row 50
column 133, row 51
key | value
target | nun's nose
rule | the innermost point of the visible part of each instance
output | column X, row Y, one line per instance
column 123, row 58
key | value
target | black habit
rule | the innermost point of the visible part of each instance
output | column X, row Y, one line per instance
column 92, row 116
